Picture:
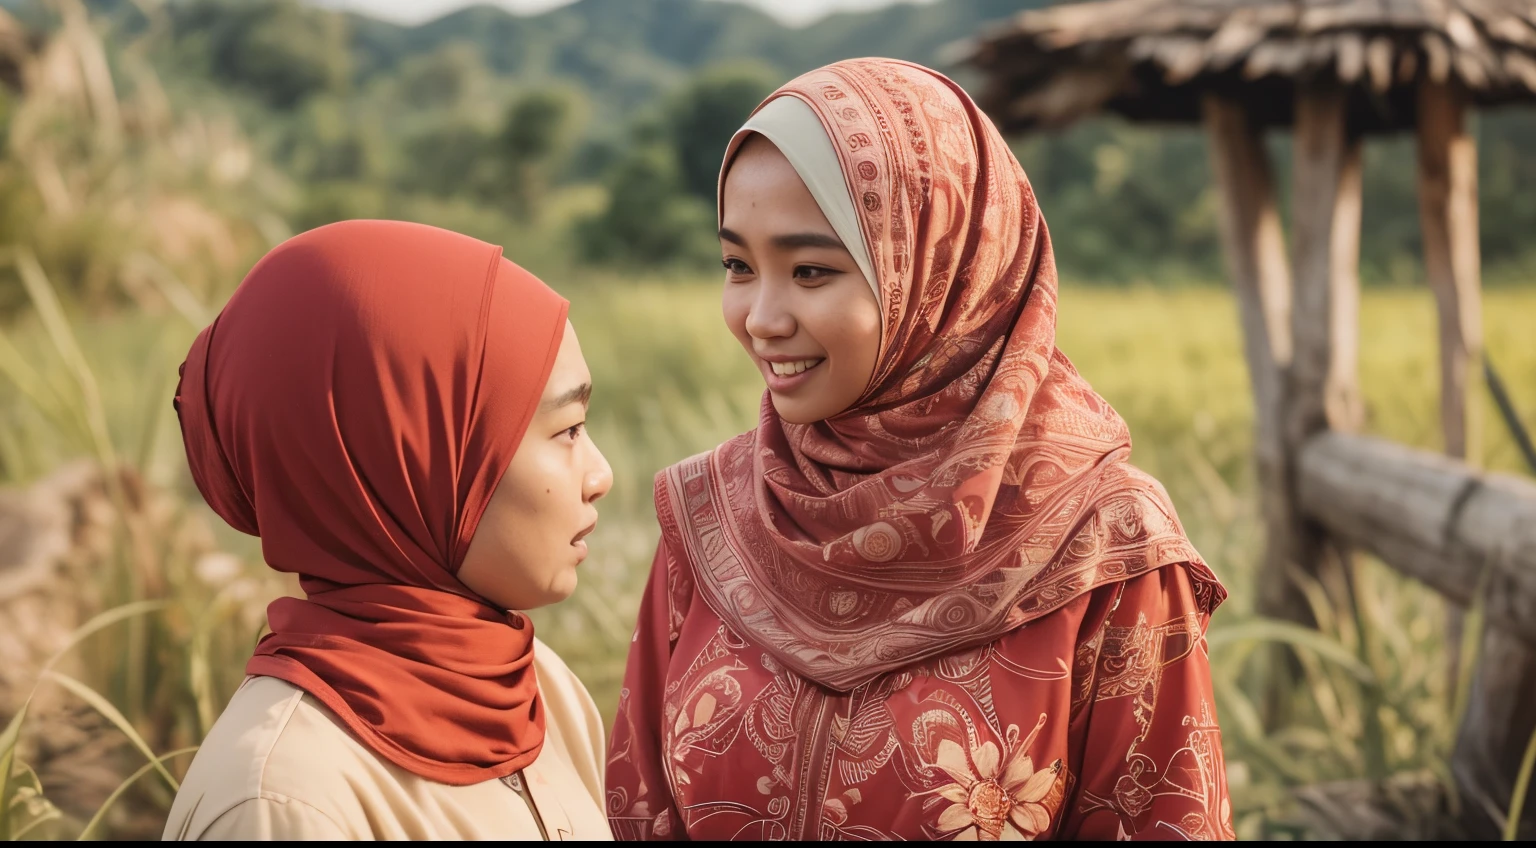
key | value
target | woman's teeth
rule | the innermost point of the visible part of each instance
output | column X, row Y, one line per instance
column 785, row 369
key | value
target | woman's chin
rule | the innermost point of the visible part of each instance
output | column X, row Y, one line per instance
column 555, row 590
column 563, row 586
column 793, row 412
column 805, row 410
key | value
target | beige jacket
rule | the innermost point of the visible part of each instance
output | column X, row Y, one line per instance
column 278, row 765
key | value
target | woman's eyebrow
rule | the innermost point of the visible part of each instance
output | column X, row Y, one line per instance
column 789, row 241
column 794, row 240
column 581, row 394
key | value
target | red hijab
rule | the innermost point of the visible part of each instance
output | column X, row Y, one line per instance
column 354, row 405
column 979, row 483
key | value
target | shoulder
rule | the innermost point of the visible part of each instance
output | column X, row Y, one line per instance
column 696, row 472
column 278, row 762
column 1178, row 590
column 558, row 685
column 685, row 469
column 266, row 737
column 573, row 726
column 672, row 481
column 270, row 819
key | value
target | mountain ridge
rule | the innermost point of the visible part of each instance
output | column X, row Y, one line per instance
column 590, row 40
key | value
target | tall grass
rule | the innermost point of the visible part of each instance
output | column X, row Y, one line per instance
column 111, row 203
column 1373, row 701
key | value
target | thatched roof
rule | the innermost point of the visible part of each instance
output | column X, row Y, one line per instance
column 1154, row 59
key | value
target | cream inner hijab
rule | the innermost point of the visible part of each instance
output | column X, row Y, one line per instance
column 796, row 131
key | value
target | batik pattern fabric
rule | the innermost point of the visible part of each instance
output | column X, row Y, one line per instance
column 1094, row 722
column 905, row 619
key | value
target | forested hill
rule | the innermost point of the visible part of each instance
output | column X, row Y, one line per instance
column 630, row 49
column 595, row 130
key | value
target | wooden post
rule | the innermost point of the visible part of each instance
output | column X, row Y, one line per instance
column 1495, row 730
column 1253, row 239
column 1458, row 531
column 1325, row 312
column 1254, row 244
column 1318, row 389
column 1452, row 265
column 1321, row 389
column 1452, row 260
column 1498, row 721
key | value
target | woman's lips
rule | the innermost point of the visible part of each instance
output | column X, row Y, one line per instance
column 578, row 541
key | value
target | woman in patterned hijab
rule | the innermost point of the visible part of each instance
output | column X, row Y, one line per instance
column 927, row 596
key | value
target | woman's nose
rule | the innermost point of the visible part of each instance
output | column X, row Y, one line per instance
column 768, row 317
column 599, row 480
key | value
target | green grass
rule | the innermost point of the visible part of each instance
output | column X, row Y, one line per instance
column 670, row 382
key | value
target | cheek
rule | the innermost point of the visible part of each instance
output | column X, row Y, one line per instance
column 735, row 303
column 533, row 493
column 848, row 328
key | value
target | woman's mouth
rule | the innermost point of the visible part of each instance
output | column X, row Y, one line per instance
column 786, row 375
column 579, row 544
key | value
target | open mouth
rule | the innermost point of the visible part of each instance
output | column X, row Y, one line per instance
column 790, row 369
column 783, row 374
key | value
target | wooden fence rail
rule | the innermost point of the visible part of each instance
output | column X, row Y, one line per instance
column 1464, row 534
column 1431, row 518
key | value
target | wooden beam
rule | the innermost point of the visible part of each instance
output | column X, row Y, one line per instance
column 1430, row 517
column 1253, row 240
column 1254, row 245
column 1325, row 310
column 1447, row 177
column 1439, row 521
column 1320, row 390
column 1495, row 730
column 1452, row 260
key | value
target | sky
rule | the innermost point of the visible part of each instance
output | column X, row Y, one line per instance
column 416, row 11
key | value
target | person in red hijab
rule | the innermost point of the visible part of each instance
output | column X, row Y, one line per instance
column 927, row 597
column 397, row 412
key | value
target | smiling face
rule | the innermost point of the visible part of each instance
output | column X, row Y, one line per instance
column 794, row 297
column 526, row 548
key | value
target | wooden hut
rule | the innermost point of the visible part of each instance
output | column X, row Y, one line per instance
column 1333, row 73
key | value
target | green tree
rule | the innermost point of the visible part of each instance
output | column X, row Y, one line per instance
column 326, row 139
column 707, row 112
column 440, row 79
column 650, row 219
column 661, row 193
column 451, row 157
column 280, row 50
column 537, row 134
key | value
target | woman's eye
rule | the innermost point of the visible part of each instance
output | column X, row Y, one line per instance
column 812, row 272
column 735, row 266
column 573, row 433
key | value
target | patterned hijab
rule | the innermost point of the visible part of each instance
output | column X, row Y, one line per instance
column 979, row 483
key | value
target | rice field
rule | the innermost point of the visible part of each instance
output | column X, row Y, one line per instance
column 182, row 596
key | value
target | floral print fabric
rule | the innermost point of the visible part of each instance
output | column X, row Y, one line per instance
column 1095, row 722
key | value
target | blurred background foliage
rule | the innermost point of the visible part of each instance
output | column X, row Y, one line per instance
column 152, row 150
column 592, row 134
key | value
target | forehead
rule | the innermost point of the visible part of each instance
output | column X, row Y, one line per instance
column 761, row 184
column 569, row 361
